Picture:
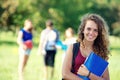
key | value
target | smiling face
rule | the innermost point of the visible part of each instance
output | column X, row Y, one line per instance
column 90, row 31
column 93, row 29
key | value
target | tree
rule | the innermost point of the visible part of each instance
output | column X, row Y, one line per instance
column 65, row 13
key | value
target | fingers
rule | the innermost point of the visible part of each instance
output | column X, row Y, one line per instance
column 83, row 70
column 83, row 66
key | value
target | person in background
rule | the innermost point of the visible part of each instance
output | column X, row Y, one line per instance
column 47, row 47
column 69, row 39
column 92, row 37
column 25, row 43
column 69, row 36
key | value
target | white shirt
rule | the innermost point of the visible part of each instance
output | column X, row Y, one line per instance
column 48, row 38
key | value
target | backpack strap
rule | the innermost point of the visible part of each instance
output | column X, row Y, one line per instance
column 58, row 35
column 75, row 52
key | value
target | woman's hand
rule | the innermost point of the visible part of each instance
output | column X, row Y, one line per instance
column 83, row 70
column 25, row 47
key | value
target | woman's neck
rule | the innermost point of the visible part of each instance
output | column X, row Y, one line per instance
column 49, row 28
column 88, row 44
column 26, row 29
column 69, row 37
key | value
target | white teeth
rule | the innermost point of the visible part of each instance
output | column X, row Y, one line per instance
column 90, row 36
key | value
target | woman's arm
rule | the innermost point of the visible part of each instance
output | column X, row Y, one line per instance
column 19, row 40
column 92, row 76
column 66, row 69
column 41, row 41
column 104, row 77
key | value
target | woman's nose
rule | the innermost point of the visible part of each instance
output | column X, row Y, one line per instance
column 91, row 32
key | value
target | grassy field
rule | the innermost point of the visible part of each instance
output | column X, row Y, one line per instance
column 34, row 68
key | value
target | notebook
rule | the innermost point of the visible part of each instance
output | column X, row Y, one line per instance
column 95, row 64
column 29, row 44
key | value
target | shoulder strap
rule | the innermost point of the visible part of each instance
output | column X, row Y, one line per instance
column 57, row 33
column 75, row 52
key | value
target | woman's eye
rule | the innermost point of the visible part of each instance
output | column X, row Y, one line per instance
column 96, row 30
column 88, row 29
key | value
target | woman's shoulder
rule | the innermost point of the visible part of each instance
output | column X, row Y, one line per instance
column 44, row 31
column 21, row 31
column 76, row 43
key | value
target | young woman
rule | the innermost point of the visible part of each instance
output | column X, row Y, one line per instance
column 93, row 37
column 69, row 36
column 69, row 39
column 24, row 41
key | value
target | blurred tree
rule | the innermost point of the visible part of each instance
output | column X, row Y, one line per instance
column 65, row 13
column 116, row 27
column 7, row 8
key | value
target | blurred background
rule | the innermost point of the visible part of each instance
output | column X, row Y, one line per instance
column 64, row 13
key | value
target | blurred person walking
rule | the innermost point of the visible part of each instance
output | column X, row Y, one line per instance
column 69, row 39
column 47, row 47
column 25, row 43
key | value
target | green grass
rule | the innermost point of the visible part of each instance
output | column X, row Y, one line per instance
column 9, row 61
column 34, row 68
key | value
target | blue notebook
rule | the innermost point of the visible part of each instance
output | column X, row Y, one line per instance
column 95, row 64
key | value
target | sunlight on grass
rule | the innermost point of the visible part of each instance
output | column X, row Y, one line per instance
column 34, row 68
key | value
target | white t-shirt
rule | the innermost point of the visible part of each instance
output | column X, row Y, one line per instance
column 48, row 38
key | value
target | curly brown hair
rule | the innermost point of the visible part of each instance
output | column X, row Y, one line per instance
column 101, row 43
